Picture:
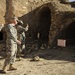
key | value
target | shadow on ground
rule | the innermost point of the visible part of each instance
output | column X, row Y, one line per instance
column 66, row 54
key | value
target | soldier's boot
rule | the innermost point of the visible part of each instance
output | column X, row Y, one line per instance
column 20, row 59
column 4, row 69
column 11, row 68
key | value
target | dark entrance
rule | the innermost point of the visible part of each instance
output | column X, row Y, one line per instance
column 1, row 36
column 44, row 24
column 69, row 34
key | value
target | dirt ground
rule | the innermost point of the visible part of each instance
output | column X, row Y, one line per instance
column 57, row 61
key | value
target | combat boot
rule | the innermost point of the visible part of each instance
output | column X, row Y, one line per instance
column 4, row 71
column 11, row 68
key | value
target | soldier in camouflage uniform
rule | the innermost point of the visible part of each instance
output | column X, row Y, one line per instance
column 11, row 43
column 21, row 36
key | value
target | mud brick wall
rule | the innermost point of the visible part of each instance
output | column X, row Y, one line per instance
column 43, row 16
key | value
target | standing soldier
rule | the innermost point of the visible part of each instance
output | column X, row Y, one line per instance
column 21, row 36
column 11, row 43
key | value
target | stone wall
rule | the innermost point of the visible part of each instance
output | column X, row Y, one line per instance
column 2, row 11
column 31, row 12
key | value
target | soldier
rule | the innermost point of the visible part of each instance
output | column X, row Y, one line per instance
column 11, row 43
column 21, row 36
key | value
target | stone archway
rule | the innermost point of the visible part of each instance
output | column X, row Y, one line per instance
column 1, row 35
column 44, row 24
column 68, row 33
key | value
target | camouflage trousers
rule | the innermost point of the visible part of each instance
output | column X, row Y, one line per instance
column 11, row 53
column 20, row 48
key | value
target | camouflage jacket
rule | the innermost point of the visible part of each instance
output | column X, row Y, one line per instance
column 21, row 33
column 11, row 32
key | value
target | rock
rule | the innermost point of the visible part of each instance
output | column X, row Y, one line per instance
column 36, row 58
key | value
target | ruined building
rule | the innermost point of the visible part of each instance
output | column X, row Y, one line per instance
column 53, row 19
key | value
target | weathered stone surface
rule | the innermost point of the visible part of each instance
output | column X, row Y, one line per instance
column 2, row 11
column 30, row 11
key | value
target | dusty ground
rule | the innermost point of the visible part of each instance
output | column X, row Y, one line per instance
column 60, row 61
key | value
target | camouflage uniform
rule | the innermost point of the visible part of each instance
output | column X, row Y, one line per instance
column 21, row 36
column 11, row 44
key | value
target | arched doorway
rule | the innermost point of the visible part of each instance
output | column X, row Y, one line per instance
column 69, row 34
column 44, row 24
column 1, row 35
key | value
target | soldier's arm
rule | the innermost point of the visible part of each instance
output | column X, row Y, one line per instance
column 24, row 29
column 21, row 27
column 11, row 33
column 27, row 27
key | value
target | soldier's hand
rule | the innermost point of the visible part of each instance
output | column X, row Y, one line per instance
column 18, row 42
column 27, row 26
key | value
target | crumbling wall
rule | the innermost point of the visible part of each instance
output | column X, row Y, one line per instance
column 29, row 11
column 61, row 15
column 2, row 11
column 9, row 10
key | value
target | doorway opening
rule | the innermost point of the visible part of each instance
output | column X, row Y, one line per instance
column 69, row 34
column 1, row 36
column 44, row 25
